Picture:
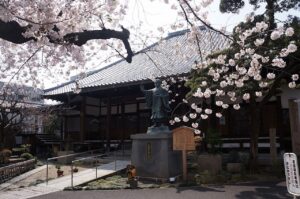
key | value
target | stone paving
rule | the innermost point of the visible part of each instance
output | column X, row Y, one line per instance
column 59, row 184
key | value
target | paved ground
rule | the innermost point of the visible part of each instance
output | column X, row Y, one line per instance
column 267, row 190
column 86, row 175
column 60, row 183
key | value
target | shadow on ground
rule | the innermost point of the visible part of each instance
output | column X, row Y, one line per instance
column 269, row 190
column 199, row 188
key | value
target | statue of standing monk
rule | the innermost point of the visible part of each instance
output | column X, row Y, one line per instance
column 158, row 100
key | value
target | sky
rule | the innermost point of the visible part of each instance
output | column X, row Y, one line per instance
column 154, row 14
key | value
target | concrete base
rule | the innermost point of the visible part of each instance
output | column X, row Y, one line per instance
column 153, row 156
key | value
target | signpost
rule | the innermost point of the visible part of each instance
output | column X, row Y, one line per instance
column 183, row 140
column 292, row 174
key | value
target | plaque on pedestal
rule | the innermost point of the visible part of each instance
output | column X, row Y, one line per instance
column 153, row 156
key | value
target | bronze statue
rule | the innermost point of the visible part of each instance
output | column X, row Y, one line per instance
column 158, row 100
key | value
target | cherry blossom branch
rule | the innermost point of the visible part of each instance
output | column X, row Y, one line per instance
column 266, row 98
column 206, row 24
column 27, row 60
column 150, row 58
column 197, row 39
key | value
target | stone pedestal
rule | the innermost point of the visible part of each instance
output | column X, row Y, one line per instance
column 153, row 156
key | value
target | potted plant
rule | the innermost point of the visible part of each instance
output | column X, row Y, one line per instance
column 75, row 169
column 59, row 171
column 131, row 175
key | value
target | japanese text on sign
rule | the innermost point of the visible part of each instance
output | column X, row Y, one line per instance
column 291, row 173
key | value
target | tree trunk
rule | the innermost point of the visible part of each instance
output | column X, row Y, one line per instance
column 255, row 122
column 1, row 137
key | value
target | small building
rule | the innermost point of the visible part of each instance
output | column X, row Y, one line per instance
column 108, row 105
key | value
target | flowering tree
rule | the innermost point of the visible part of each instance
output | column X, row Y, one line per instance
column 17, row 106
column 262, row 56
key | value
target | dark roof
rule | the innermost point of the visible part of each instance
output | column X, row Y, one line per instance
column 172, row 56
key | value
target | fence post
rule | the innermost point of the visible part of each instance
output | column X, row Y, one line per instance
column 72, row 174
column 47, row 172
column 115, row 161
column 96, row 169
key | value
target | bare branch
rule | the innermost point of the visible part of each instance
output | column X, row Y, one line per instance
column 12, row 31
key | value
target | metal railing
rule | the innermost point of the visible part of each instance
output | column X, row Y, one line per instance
column 66, row 156
column 88, row 158
column 108, row 154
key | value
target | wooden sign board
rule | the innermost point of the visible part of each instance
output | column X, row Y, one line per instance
column 183, row 139
column 292, row 173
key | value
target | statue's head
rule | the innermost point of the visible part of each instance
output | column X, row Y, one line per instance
column 157, row 83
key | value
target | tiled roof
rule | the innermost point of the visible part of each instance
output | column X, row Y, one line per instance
column 172, row 56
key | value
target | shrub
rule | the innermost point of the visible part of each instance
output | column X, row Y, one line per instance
column 214, row 140
column 4, row 156
column 6, row 152
column 18, row 151
column 26, row 147
column 27, row 156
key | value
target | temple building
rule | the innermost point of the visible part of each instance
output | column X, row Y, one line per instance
column 108, row 105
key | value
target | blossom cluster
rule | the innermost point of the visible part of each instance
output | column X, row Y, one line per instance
column 28, row 63
column 247, row 74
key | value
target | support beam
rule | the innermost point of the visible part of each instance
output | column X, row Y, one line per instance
column 123, row 124
column 66, row 138
column 108, row 122
column 279, row 123
column 137, row 117
column 100, row 124
column 82, row 119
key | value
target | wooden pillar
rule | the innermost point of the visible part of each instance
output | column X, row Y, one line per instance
column 123, row 126
column 101, row 133
column 66, row 137
column 64, row 127
column 108, row 122
column 294, row 112
column 184, row 165
column 273, row 148
column 82, row 120
column 279, row 125
column 137, row 117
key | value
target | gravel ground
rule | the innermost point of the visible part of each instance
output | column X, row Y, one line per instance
column 261, row 190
